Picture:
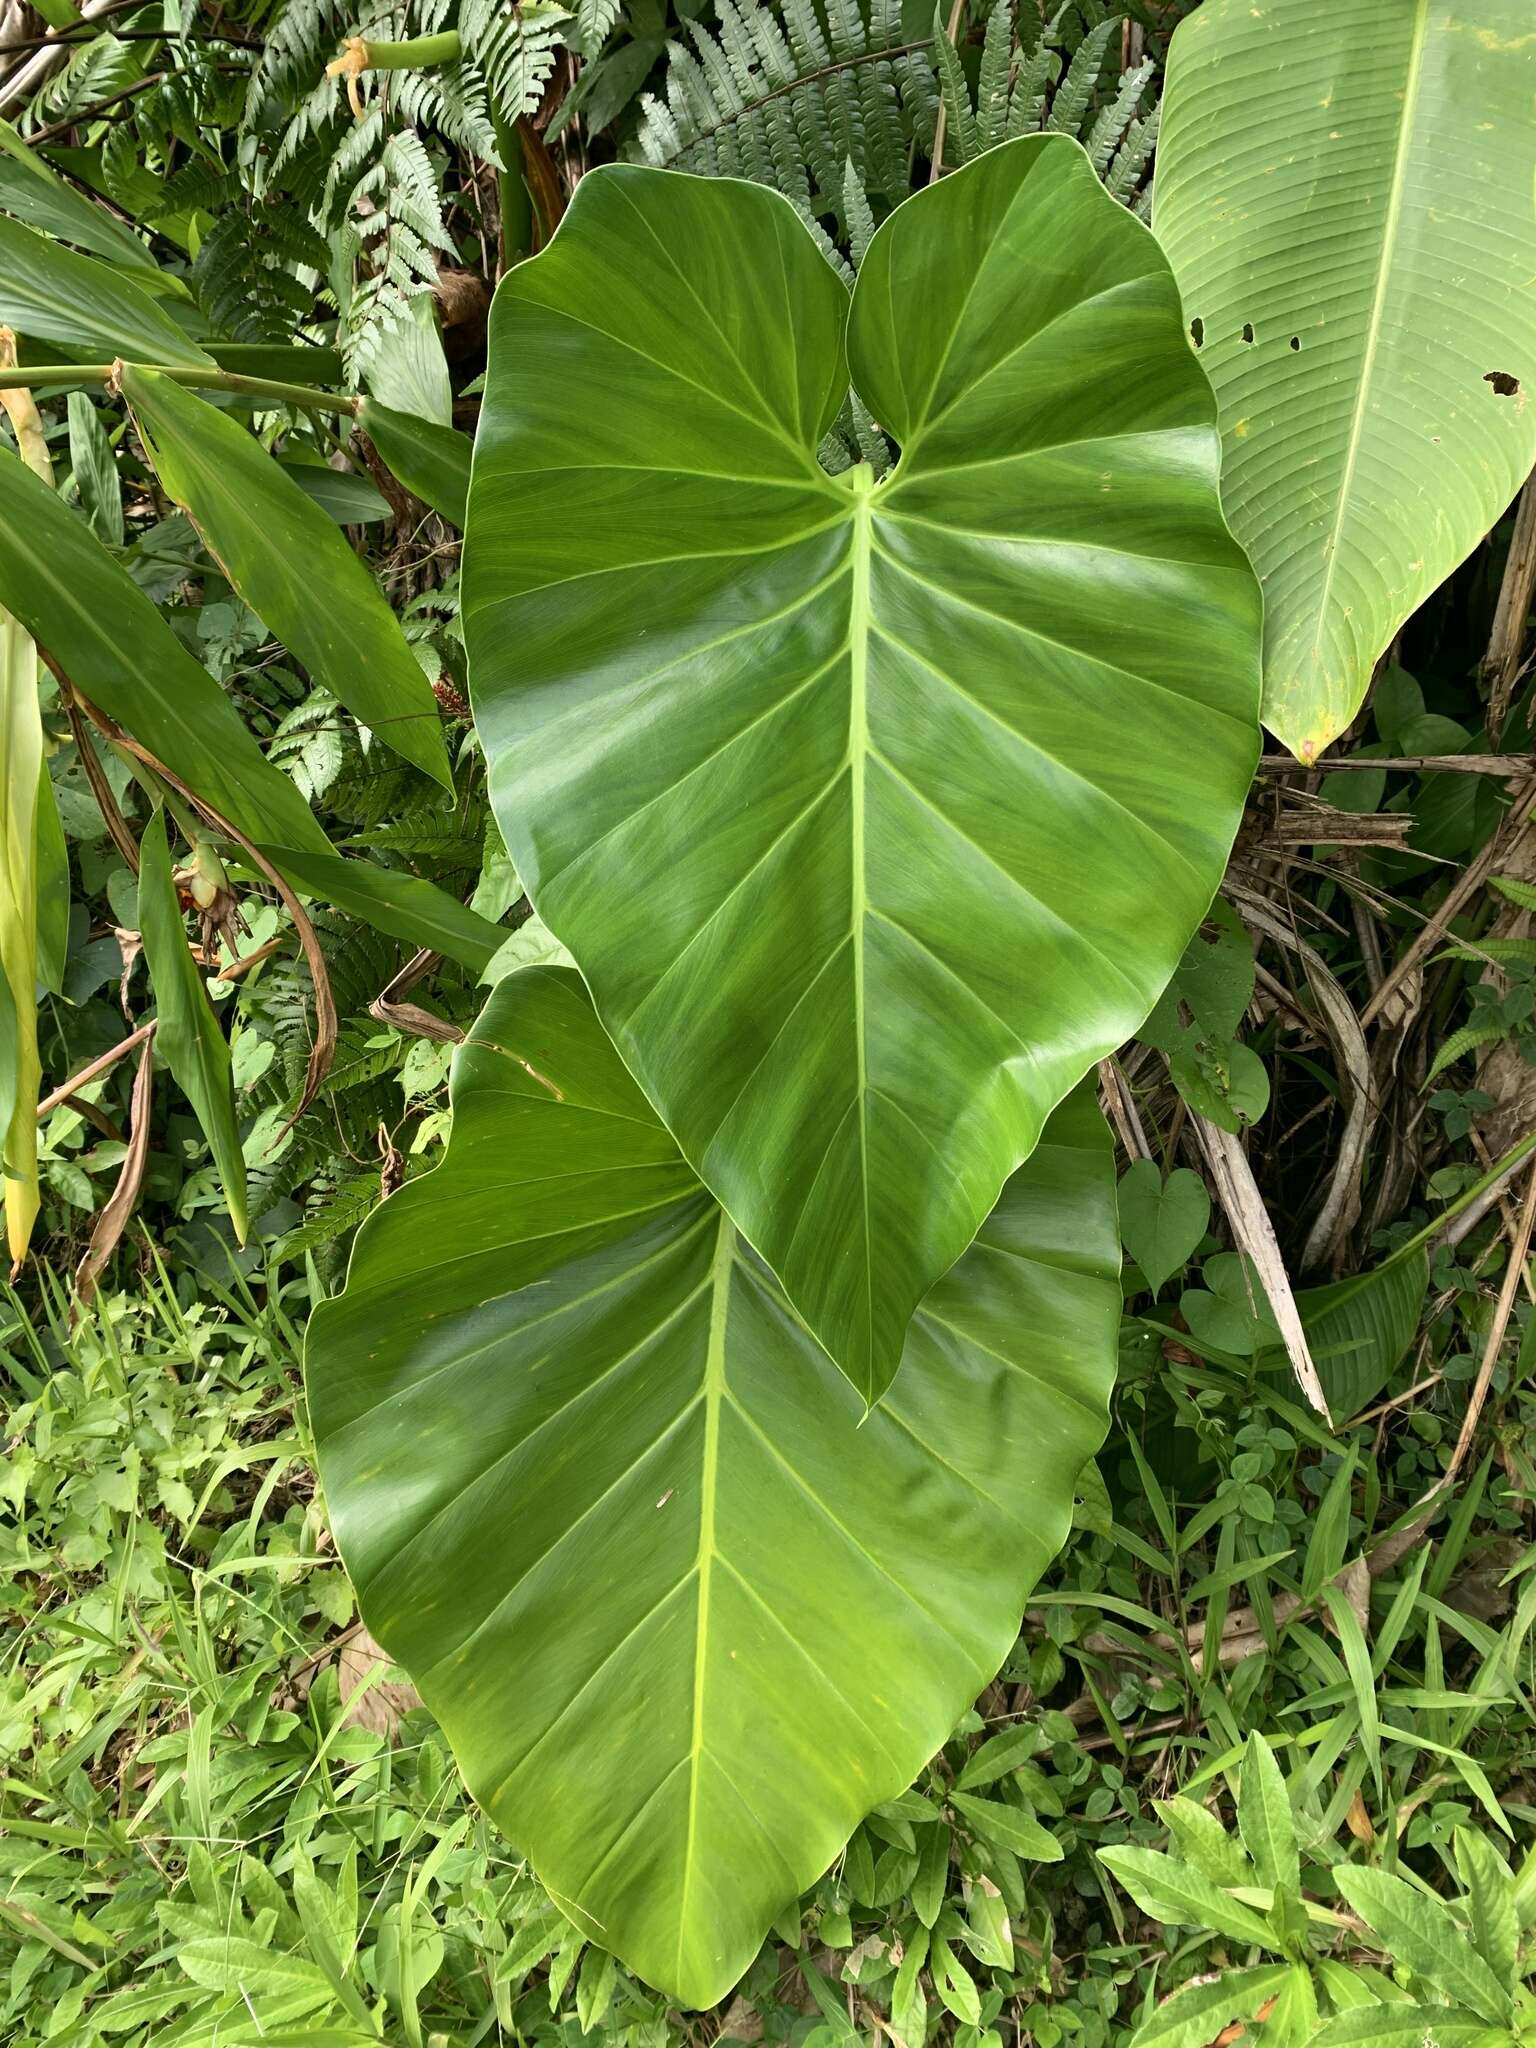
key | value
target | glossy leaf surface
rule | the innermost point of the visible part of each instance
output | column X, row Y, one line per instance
column 583, row 1462
column 430, row 459
column 33, row 191
column 187, row 1037
column 1344, row 189
column 115, row 647
column 52, row 294
column 291, row 564
column 21, row 774
column 872, row 813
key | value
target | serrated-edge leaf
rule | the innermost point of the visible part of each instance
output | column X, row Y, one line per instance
column 1419, row 1931
column 1264, row 1818
column 1182, row 1896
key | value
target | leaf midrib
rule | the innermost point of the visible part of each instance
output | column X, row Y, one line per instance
column 1384, row 267
column 713, row 1395
column 860, row 626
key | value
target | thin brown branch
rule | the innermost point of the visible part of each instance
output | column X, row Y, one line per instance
column 1519, row 1251
column 1472, row 878
column 97, row 1066
column 1511, row 765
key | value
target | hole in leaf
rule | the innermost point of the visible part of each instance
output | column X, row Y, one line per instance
column 1296, row 341
column 1247, row 330
column 1197, row 331
column 1502, row 382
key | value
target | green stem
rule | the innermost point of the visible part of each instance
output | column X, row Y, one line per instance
column 1465, row 1199
column 304, row 396
column 420, row 54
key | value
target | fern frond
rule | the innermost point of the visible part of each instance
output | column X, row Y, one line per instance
column 1070, row 101
column 793, row 102
column 513, row 46
column 1466, row 1040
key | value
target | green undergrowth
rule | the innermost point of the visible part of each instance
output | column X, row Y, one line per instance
column 202, row 1844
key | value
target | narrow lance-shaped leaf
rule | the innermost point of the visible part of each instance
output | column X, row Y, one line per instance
column 110, row 640
column 581, row 1458
column 1264, row 1818
column 289, row 561
column 53, row 294
column 21, row 764
column 35, row 193
column 187, row 1035
column 429, row 459
column 1344, row 191
column 873, row 813
column 23, row 773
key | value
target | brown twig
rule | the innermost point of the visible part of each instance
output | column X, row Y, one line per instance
column 99, row 1065
column 1472, row 878
column 324, row 1045
column 1496, row 1329
column 1511, row 765
column 113, row 1219
column 95, row 774
column 401, row 1016
column 1501, row 664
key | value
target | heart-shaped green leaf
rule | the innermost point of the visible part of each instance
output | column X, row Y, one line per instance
column 1344, row 192
column 873, row 813
column 583, row 1463
column 1162, row 1221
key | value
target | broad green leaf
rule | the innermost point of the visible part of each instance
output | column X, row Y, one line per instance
column 292, row 566
column 188, row 1037
column 1291, row 2020
column 36, row 194
column 1409, row 2026
column 52, row 887
column 233, row 1963
column 110, row 640
column 429, row 459
column 1200, row 2013
column 114, row 646
column 810, row 772
column 1419, row 1932
column 345, row 499
column 51, row 293
column 1009, row 1826
column 1181, row 1896
column 1489, row 1887
column 1359, row 1329
column 1162, row 1222
column 1201, row 1839
column 405, row 906
column 579, row 1454
column 1264, row 1818
column 1344, row 191
column 280, row 362
column 21, row 772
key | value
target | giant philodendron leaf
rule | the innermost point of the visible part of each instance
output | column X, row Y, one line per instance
column 684, row 1614
column 1347, row 192
column 872, row 813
